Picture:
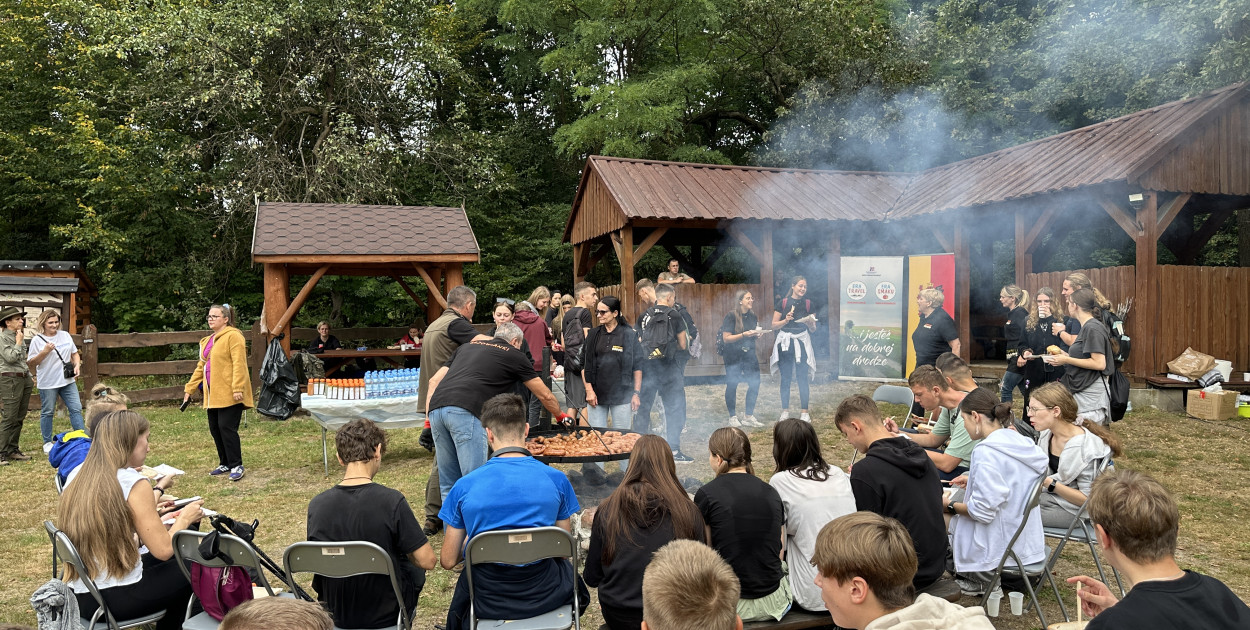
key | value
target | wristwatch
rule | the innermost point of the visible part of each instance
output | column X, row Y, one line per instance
column 950, row 507
column 1051, row 488
column 637, row 392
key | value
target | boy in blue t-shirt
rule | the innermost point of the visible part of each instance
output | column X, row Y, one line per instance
column 512, row 490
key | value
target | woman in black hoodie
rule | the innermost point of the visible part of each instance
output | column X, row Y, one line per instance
column 1015, row 300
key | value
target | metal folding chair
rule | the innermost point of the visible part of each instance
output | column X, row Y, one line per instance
column 1031, row 571
column 342, row 560
column 51, row 529
column 517, row 547
column 1082, row 531
column 187, row 548
column 68, row 554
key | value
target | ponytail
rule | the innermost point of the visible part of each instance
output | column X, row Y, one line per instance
column 986, row 403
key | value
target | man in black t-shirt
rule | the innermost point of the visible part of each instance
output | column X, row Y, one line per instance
column 476, row 372
column 665, row 376
column 358, row 509
column 1136, row 521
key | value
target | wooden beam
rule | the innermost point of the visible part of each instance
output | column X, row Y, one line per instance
column 963, row 290
column 1024, row 260
column 757, row 253
column 1146, row 287
column 721, row 249
column 412, row 294
column 943, row 240
column 681, row 258
column 613, row 244
column 767, row 282
column 833, row 261
column 1044, row 252
column 1032, row 239
column 1202, row 236
column 453, row 276
column 277, row 296
column 90, row 357
column 581, row 262
column 628, row 296
column 432, row 286
column 1168, row 211
column 298, row 301
column 1122, row 218
column 432, row 308
column 647, row 243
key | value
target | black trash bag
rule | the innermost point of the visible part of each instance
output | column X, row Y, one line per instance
column 279, row 388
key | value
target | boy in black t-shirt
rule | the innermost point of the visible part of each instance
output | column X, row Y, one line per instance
column 358, row 509
column 1136, row 522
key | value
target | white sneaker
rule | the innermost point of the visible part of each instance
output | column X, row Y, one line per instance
column 751, row 421
column 805, row 417
column 733, row 421
column 785, row 415
column 47, row 448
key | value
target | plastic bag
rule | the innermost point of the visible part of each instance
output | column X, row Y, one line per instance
column 1191, row 364
column 279, row 389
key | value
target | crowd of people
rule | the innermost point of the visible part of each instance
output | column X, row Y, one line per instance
column 862, row 545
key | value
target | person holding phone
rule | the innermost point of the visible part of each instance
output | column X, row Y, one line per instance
column 223, row 375
column 15, row 382
column 57, row 364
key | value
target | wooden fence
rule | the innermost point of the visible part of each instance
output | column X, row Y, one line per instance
column 1207, row 308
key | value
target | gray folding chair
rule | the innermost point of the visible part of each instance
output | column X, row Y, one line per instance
column 896, row 395
column 69, row 555
column 517, row 547
column 1082, row 531
column 1027, row 572
column 342, row 560
column 187, row 548
column 51, row 529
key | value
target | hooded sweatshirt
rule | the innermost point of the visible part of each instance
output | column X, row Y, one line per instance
column 898, row 480
column 537, row 335
column 932, row 613
column 1078, row 464
column 1006, row 469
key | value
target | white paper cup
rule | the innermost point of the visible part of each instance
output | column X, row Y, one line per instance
column 1245, row 376
column 991, row 605
column 1017, row 602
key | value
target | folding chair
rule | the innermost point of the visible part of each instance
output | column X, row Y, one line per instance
column 1031, row 571
column 342, row 560
column 1082, row 531
column 517, row 547
column 187, row 548
column 895, row 395
column 51, row 529
column 69, row 555
column 60, row 487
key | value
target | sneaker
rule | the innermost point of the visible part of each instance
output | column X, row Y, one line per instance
column 4, row 459
column 47, row 448
column 220, row 470
column 751, row 421
column 432, row 527
column 681, row 458
column 236, row 473
column 805, row 417
column 19, row 456
column 785, row 415
column 971, row 588
column 733, row 421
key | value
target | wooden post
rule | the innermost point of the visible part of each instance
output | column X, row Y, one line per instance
column 766, row 274
column 628, row 297
column 90, row 358
column 297, row 304
column 963, row 280
column 1146, row 286
column 1024, row 259
column 260, row 343
column 277, row 298
column 834, row 265
column 453, row 277
column 434, row 286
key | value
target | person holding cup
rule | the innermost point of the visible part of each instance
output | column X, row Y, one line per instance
column 739, row 332
column 15, row 382
column 1040, row 333
column 57, row 364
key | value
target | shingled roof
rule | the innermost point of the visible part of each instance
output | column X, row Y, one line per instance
column 320, row 229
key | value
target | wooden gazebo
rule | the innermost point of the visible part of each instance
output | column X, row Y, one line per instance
column 310, row 239
column 1173, row 174
column 38, row 285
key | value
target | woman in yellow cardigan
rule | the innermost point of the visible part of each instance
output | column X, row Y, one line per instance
column 227, row 384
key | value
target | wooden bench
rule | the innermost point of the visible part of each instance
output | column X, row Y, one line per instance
column 944, row 588
column 1171, row 394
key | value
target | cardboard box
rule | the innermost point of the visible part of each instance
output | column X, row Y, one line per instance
column 1211, row 406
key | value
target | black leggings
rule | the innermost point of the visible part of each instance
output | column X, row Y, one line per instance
column 162, row 587
column 786, row 362
column 223, row 424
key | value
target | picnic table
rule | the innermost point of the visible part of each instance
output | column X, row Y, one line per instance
column 390, row 356
column 388, row 413
column 1171, row 396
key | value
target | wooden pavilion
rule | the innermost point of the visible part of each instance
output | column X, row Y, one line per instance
column 36, row 286
column 315, row 240
column 1172, row 174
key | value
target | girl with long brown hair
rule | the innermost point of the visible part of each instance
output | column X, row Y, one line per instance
column 1089, row 360
column 1040, row 335
column 1075, row 450
column 104, row 507
column 794, row 321
column 746, row 525
column 647, row 511
column 813, row 493
column 738, row 331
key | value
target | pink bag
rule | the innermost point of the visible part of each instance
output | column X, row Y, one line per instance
column 220, row 588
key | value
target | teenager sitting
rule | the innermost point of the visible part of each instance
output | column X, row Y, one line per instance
column 69, row 449
column 688, row 586
column 1075, row 449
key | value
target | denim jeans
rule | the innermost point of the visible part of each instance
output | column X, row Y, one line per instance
column 47, row 405
column 665, row 379
column 614, row 416
column 459, row 445
column 1010, row 382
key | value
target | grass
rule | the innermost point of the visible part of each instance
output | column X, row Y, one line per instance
column 1203, row 463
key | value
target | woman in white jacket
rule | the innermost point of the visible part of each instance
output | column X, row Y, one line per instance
column 1005, row 468
column 1075, row 450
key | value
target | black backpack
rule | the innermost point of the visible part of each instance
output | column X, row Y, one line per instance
column 1117, row 389
column 574, row 341
column 660, row 326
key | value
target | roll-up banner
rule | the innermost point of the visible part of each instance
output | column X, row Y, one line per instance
column 936, row 271
column 872, row 318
